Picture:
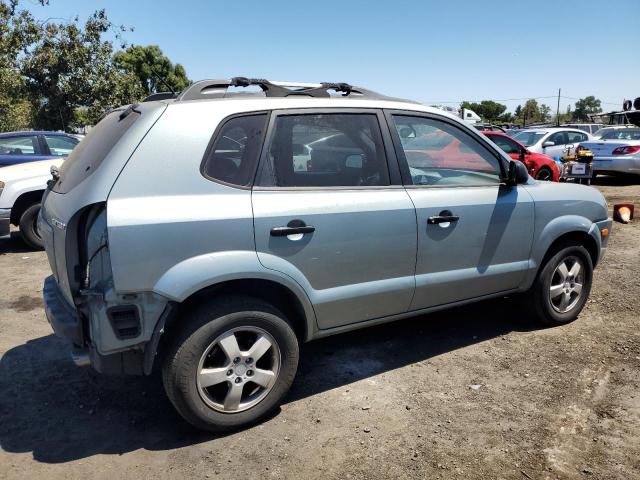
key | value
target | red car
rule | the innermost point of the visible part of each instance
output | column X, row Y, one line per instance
column 540, row 167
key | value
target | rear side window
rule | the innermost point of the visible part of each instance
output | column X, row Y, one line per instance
column 325, row 150
column 92, row 150
column 234, row 154
column 60, row 146
column 23, row 145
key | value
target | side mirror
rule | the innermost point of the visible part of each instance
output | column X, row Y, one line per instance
column 517, row 173
column 407, row 131
column 548, row 144
column 523, row 153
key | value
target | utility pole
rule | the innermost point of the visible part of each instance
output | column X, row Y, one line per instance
column 558, row 109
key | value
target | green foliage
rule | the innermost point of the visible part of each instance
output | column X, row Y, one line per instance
column 62, row 75
column 586, row 106
column 152, row 68
column 71, row 66
column 489, row 110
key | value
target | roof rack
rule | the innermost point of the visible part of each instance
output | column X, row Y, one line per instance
column 206, row 89
column 160, row 96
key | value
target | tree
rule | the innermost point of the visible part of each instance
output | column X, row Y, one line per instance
column 71, row 66
column 545, row 113
column 487, row 109
column 585, row 107
column 18, row 30
column 531, row 111
column 152, row 68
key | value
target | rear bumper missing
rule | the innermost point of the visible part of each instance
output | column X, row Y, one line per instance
column 62, row 317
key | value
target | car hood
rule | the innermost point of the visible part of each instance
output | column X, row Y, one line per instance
column 21, row 171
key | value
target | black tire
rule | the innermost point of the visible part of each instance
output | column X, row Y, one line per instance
column 539, row 295
column 200, row 328
column 29, row 227
column 544, row 174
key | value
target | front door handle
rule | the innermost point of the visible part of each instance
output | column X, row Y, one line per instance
column 293, row 227
column 444, row 217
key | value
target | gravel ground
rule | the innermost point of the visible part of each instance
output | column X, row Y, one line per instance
column 475, row 392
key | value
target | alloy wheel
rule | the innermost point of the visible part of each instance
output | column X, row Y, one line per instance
column 238, row 369
column 566, row 284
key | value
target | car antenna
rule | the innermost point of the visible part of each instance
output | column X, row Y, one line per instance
column 162, row 80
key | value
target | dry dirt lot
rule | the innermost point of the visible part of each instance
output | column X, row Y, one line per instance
column 387, row 402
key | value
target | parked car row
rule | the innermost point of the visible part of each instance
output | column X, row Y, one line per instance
column 26, row 159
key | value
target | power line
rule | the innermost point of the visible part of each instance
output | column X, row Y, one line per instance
column 519, row 99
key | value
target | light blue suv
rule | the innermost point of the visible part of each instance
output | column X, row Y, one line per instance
column 216, row 230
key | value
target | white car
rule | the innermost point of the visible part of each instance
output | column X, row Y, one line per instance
column 553, row 142
column 617, row 151
column 21, row 189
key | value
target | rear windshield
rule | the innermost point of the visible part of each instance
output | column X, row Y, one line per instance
column 622, row 134
column 92, row 150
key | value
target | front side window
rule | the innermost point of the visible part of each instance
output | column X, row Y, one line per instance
column 60, row 146
column 18, row 145
column 440, row 154
column 506, row 144
column 234, row 154
column 558, row 138
column 325, row 150
column 576, row 137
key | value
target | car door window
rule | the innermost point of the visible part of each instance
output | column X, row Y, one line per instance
column 558, row 138
column 439, row 154
column 506, row 144
column 60, row 146
column 325, row 150
column 576, row 137
column 23, row 145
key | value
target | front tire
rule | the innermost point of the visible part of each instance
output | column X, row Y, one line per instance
column 562, row 286
column 231, row 364
column 29, row 227
column 544, row 174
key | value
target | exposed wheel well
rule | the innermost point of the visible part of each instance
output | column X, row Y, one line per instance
column 573, row 238
column 271, row 292
column 23, row 202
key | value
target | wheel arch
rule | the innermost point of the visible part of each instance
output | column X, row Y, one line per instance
column 23, row 202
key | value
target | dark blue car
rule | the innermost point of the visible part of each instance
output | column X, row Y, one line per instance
column 21, row 147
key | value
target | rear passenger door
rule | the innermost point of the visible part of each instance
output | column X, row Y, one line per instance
column 474, row 232
column 330, row 211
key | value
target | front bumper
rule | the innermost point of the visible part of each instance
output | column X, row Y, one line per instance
column 62, row 317
column 5, row 216
column 616, row 165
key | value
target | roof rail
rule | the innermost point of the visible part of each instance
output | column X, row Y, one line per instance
column 205, row 89
column 160, row 96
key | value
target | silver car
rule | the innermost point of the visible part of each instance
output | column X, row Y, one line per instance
column 616, row 151
column 554, row 142
column 181, row 234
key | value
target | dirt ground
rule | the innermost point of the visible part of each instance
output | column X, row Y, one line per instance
column 387, row 402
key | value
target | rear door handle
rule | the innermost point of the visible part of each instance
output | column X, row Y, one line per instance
column 444, row 217
column 293, row 227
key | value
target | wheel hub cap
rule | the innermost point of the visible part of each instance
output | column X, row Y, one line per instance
column 565, row 291
column 238, row 369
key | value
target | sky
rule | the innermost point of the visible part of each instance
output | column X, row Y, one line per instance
column 429, row 51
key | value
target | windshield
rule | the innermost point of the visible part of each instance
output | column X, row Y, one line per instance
column 529, row 138
column 621, row 134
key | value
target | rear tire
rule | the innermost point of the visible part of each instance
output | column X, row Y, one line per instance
column 209, row 372
column 562, row 286
column 29, row 227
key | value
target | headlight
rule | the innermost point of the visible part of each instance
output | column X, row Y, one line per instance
column 1, row 187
